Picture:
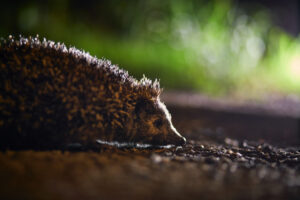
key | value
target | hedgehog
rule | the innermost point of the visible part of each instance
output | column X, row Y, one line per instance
column 52, row 95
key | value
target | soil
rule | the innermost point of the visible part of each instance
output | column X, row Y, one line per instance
column 210, row 166
column 207, row 168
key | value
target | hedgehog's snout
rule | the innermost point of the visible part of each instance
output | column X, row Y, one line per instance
column 174, row 137
column 181, row 141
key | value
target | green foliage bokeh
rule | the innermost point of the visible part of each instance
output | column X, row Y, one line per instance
column 208, row 46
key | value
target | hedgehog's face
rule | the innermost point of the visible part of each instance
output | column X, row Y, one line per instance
column 154, row 126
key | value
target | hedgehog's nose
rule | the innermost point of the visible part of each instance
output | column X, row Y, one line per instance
column 176, row 139
column 182, row 141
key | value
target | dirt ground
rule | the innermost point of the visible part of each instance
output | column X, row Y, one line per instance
column 210, row 166
column 202, row 169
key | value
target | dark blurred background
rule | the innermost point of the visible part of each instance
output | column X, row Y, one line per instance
column 239, row 48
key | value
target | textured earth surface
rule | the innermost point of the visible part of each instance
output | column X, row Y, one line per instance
column 210, row 167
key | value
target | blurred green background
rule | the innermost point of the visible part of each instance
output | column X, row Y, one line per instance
column 218, row 48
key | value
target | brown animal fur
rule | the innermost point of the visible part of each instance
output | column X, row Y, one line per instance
column 51, row 95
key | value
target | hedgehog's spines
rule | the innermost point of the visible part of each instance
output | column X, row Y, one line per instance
column 144, row 87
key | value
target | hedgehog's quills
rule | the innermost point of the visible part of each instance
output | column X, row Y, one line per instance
column 52, row 96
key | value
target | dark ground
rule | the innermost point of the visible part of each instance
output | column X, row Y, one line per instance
column 210, row 166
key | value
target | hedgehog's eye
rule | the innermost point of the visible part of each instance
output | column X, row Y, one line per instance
column 158, row 123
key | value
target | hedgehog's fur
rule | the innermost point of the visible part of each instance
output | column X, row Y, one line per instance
column 51, row 96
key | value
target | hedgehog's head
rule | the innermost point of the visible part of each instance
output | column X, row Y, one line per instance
column 153, row 124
